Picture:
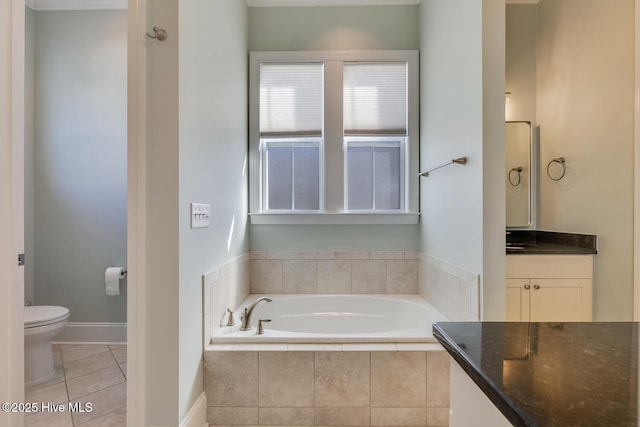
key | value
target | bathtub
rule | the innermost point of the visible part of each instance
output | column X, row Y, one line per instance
column 335, row 319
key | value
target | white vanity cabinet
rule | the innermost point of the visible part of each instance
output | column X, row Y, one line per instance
column 549, row 288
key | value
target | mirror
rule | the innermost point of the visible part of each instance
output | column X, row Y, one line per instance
column 519, row 174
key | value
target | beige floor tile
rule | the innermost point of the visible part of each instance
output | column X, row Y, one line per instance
column 117, row 418
column 103, row 402
column 87, row 365
column 120, row 353
column 73, row 352
column 49, row 419
column 95, row 381
column 123, row 368
column 57, row 378
column 56, row 393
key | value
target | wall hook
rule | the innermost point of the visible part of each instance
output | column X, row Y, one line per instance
column 158, row 33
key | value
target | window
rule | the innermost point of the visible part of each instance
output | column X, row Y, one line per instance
column 334, row 133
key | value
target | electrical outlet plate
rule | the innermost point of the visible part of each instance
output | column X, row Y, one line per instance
column 200, row 215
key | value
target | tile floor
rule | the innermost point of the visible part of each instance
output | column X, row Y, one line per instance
column 85, row 373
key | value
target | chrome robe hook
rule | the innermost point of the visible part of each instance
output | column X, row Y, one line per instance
column 158, row 33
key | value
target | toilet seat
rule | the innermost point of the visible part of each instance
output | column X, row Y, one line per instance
column 41, row 315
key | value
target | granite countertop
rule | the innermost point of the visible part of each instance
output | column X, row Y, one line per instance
column 551, row 374
column 538, row 242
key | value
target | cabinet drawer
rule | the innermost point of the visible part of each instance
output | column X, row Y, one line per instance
column 550, row 266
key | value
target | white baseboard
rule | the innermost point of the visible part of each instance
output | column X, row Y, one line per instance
column 92, row 333
column 197, row 416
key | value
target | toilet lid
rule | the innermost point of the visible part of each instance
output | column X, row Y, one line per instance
column 39, row 315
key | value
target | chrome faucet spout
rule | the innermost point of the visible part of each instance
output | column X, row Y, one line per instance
column 246, row 317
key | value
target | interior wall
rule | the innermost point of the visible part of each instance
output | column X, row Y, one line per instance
column 462, row 114
column 29, row 132
column 585, row 110
column 213, row 153
column 80, row 189
column 521, row 35
column 334, row 28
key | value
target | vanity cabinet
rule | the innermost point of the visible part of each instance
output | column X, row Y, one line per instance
column 549, row 288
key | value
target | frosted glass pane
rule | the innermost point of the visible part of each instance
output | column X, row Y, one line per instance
column 360, row 177
column 387, row 177
column 279, row 177
column 307, row 178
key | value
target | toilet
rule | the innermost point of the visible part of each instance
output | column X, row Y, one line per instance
column 41, row 324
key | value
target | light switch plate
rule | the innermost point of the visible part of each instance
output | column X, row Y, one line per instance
column 200, row 215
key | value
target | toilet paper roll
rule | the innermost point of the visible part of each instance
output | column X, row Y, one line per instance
column 112, row 277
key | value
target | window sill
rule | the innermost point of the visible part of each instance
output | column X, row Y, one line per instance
column 334, row 219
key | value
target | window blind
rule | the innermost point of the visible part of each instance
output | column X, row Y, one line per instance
column 375, row 98
column 291, row 98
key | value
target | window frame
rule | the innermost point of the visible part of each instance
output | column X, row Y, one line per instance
column 333, row 185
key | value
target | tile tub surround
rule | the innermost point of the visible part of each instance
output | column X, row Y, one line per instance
column 334, row 272
column 225, row 287
column 327, row 388
column 451, row 289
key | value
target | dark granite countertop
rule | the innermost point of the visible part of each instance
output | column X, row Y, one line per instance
column 551, row 374
column 538, row 242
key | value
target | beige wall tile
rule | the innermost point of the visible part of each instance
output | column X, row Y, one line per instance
column 219, row 302
column 286, row 416
column 299, row 276
column 342, row 379
column 283, row 255
column 318, row 255
column 352, row 255
column 342, row 416
column 231, row 378
column 369, row 277
column 398, row 416
column 334, row 277
column 412, row 255
column 206, row 296
column 266, row 276
column 286, row 379
column 437, row 417
column 386, row 255
column 244, row 416
column 402, row 277
column 398, row 379
column 258, row 255
column 438, row 365
column 459, row 299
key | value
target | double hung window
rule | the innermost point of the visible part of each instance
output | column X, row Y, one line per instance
column 333, row 132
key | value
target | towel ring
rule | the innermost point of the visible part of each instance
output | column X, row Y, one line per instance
column 561, row 162
column 518, row 170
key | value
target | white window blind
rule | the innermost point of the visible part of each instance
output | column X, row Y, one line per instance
column 291, row 98
column 375, row 98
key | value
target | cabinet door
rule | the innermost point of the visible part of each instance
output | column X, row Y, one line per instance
column 560, row 300
column 517, row 302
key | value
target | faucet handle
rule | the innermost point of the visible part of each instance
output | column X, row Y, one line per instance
column 230, row 321
column 260, row 328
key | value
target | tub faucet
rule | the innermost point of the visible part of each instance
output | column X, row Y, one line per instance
column 246, row 317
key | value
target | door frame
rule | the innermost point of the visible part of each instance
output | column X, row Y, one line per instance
column 636, row 170
column 136, row 211
column 12, row 51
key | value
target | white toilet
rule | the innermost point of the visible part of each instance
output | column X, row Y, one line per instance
column 41, row 324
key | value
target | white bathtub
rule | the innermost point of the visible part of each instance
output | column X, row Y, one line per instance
column 335, row 319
